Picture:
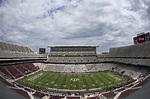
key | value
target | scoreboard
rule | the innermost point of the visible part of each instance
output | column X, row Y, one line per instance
column 141, row 38
column 42, row 50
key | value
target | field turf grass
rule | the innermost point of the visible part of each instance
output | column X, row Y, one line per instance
column 74, row 81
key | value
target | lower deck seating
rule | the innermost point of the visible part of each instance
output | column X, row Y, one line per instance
column 56, row 97
column 126, row 93
column 18, row 70
column 109, row 94
column 75, row 68
column 59, row 68
column 94, row 97
column 73, row 97
column 128, row 70
column 39, row 94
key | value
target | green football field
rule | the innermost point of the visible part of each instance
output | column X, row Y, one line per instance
column 74, row 81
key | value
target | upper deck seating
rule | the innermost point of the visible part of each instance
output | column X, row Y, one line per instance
column 8, row 50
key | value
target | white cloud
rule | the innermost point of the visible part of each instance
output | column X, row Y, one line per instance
column 106, row 23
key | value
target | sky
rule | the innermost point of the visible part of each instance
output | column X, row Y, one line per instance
column 42, row 23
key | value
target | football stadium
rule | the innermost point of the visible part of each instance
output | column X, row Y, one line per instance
column 75, row 72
